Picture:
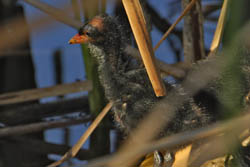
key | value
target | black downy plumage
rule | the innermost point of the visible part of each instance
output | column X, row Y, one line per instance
column 126, row 83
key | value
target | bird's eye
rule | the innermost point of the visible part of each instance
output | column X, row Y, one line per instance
column 87, row 33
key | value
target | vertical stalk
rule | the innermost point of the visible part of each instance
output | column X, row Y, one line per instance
column 96, row 96
column 99, row 140
column 103, row 5
column 233, row 84
column 138, row 24
column 193, row 42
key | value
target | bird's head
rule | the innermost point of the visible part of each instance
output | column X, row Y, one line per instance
column 102, row 30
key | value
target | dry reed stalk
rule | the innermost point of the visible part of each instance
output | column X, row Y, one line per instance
column 138, row 25
column 221, row 144
column 185, row 11
column 74, row 150
column 220, row 27
column 34, row 94
column 183, row 138
column 40, row 126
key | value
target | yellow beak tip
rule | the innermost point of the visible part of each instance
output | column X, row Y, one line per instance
column 72, row 41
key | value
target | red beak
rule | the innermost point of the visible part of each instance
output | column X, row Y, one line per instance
column 79, row 39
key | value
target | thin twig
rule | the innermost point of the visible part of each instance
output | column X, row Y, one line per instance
column 74, row 150
column 34, row 127
column 220, row 27
column 187, row 9
column 161, row 23
column 34, row 94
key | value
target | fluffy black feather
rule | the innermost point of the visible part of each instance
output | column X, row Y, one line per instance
column 126, row 83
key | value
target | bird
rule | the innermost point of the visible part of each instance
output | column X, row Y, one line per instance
column 126, row 83
column 124, row 80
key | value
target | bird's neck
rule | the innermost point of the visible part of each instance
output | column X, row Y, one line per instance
column 107, row 61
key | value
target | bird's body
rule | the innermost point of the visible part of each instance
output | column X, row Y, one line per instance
column 124, row 79
column 126, row 83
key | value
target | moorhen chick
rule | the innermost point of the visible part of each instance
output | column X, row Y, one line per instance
column 126, row 83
